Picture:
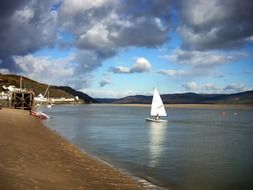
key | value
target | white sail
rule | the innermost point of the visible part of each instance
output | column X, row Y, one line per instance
column 157, row 105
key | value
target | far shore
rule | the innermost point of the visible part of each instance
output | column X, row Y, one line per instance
column 34, row 157
column 204, row 106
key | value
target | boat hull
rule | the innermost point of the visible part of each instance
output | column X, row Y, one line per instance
column 40, row 115
column 155, row 120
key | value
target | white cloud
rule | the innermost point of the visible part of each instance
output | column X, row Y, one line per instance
column 250, row 39
column 171, row 72
column 215, row 24
column 200, row 58
column 103, row 24
column 141, row 65
column 72, row 7
column 192, row 72
column 4, row 71
column 200, row 12
column 213, row 88
column 191, row 86
column 45, row 69
column 199, row 63
column 105, row 82
column 120, row 69
column 96, row 37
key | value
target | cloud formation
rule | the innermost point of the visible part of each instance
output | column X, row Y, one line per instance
column 171, row 72
column 112, row 24
column 105, row 82
column 191, row 86
column 215, row 24
column 212, row 88
column 53, row 71
column 98, row 29
column 200, row 58
column 26, row 26
column 199, row 63
column 141, row 65
column 120, row 69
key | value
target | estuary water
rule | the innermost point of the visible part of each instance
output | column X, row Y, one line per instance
column 197, row 149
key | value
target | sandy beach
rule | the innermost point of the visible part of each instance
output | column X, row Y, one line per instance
column 34, row 157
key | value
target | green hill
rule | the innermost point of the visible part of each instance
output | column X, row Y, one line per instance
column 38, row 88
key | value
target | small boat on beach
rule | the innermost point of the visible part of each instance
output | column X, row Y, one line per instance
column 39, row 114
column 50, row 103
column 157, row 108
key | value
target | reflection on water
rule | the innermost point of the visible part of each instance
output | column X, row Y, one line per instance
column 197, row 149
column 157, row 135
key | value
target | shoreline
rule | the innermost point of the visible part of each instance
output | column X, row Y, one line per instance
column 200, row 106
column 32, row 156
column 149, row 185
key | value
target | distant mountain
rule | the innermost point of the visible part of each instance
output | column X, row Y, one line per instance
column 187, row 98
column 54, row 91
column 105, row 100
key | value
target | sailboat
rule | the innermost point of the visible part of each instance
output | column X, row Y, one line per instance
column 49, row 104
column 38, row 113
column 157, row 108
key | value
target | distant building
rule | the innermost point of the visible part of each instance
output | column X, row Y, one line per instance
column 63, row 100
column 4, row 96
column 40, row 98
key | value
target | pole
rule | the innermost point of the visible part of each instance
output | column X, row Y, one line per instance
column 20, row 82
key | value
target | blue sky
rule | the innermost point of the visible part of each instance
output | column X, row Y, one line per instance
column 115, row 48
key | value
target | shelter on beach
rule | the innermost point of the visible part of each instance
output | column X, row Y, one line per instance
column 18, row 98
column 22, row 99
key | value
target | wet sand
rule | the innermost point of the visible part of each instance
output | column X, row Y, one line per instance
column 34, row 157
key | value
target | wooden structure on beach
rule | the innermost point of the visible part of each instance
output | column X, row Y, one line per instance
column 13, row 97
column 22, row 100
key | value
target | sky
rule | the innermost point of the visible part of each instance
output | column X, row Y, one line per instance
column 117, row 48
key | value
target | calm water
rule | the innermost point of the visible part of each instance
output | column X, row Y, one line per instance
column 198, row 149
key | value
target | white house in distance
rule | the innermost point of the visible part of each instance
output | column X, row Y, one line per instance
column 63, row 100
column 4, row 96
column 40, row 98
column 59, row 100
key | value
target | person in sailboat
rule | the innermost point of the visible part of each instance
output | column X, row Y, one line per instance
column 157, row 117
